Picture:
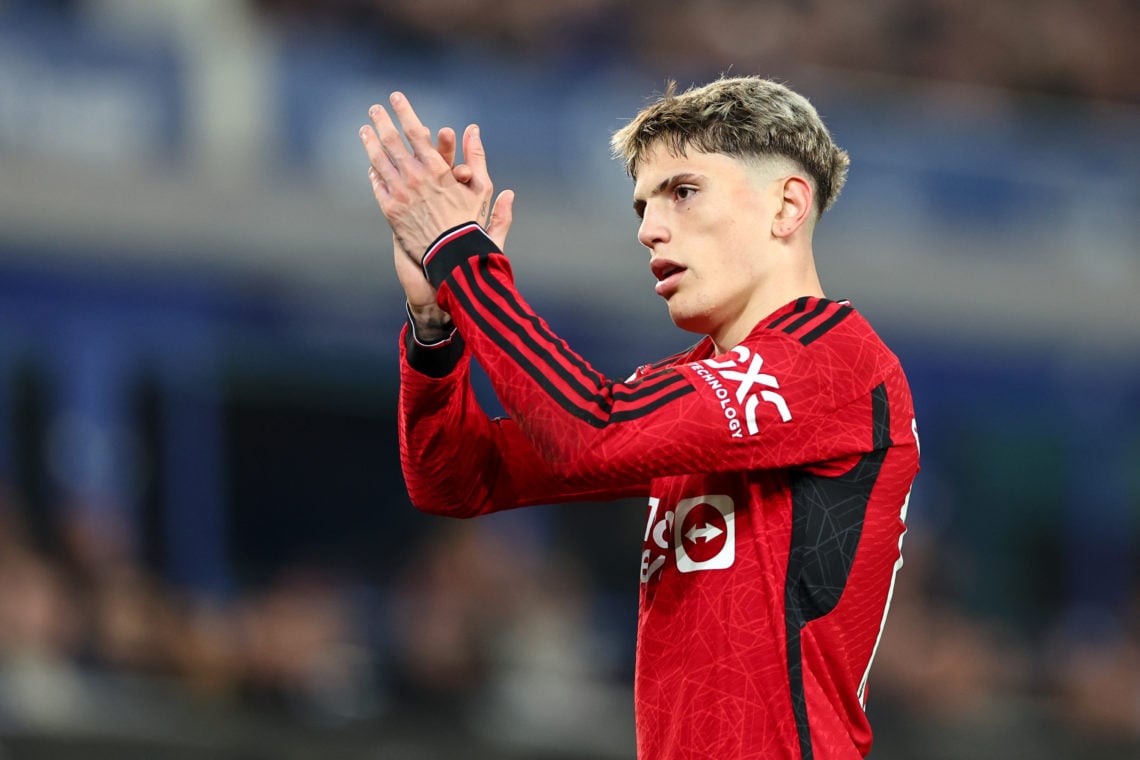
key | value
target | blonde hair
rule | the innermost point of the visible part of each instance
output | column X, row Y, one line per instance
column 744, row 117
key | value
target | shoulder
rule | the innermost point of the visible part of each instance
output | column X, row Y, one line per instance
column 827, row 345
column 820, row 329
column 807, row 320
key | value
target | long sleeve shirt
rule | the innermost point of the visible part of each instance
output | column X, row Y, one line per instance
column 777, row 477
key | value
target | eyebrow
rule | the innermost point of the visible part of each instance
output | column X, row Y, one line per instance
column 662, row 186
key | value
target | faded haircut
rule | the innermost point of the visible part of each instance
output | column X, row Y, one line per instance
column 744, row 117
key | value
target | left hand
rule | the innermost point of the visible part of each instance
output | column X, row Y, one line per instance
column 417, row 189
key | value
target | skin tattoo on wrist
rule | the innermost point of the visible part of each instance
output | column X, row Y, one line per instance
column 432, row 323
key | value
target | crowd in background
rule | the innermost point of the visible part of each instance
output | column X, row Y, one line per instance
column 75, row 598
column 476, row 630
column 479, row 630
column 1055, row 47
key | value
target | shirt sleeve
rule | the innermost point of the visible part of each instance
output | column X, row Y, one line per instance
column 763, row 405
column 456, row 460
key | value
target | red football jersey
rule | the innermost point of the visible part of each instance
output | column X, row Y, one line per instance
column 777, row 478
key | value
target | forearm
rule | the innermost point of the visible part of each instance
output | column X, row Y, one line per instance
column 585, row 428
column 442, row 440
column 457, row 461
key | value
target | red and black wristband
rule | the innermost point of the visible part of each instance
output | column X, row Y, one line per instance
column 453, row 247
column 432, row 358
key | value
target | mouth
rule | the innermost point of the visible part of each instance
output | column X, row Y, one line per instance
column 668, row 274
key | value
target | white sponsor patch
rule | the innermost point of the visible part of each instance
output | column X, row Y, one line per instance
column 742, row 374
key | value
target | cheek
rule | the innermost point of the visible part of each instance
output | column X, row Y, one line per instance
column 733, row 232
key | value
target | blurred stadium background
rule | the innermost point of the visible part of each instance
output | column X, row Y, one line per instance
column 206, row 550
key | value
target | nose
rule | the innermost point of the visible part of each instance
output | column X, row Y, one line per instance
column 652, row 230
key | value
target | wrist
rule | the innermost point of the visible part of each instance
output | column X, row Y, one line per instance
column 435, row 355
column 453, row 247
column 430, row 324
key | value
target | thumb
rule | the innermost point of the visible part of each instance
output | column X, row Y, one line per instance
column 502, row 214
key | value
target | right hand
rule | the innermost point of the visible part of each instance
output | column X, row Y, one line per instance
column 432, row 323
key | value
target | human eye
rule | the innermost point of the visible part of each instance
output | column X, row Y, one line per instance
column 684, row 192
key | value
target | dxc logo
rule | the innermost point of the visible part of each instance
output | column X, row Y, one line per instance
column 729, row 370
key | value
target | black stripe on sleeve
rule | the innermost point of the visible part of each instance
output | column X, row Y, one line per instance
column 516, row 355
column 479, row 304
column 555, row 343
column 801, row 304
column 820, row 307
column 589, row 385
column 587, row 392
column 819, row 330
column 652, row 406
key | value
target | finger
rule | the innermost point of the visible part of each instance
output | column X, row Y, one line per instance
column 419, row 136
column 379, row 188
column 390, row 140
column 377, row 156
column 446, row 143
column 462, row 173
column 474, row 155
column 502, row 214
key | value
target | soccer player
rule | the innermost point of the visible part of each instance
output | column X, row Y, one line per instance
column 776, row 454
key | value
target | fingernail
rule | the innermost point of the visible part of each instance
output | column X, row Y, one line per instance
column 397, row 97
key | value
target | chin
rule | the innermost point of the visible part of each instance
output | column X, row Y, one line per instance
column 689, row 319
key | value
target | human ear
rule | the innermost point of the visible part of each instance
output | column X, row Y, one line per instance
column 795, row 206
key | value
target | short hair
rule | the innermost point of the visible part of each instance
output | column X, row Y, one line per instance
column 744, row 117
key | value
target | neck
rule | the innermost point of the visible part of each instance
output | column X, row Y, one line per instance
column 771, row 297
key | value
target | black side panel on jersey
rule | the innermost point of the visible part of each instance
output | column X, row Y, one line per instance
column 827, row 521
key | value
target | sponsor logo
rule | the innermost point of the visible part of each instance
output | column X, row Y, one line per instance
column 698, row 534
column 704, row 533
column 751, row 387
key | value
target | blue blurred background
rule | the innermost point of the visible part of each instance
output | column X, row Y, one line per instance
column 206, row 549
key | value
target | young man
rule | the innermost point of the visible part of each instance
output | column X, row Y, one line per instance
column 777, row 454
